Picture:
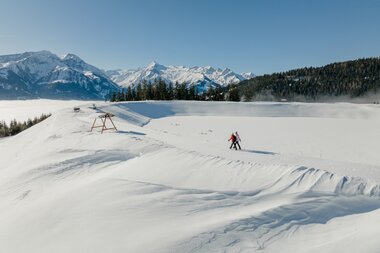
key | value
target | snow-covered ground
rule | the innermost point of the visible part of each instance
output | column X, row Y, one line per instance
column 306, row 180
column 21, row 110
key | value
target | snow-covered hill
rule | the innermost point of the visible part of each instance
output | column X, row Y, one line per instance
column 202, row 77
column 45, row 75
column 306, row 180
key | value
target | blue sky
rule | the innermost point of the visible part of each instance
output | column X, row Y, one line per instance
column 244, row 35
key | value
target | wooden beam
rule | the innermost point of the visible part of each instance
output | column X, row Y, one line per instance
column 93, row 125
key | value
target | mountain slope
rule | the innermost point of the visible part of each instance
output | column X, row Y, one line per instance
column 340, row 81
column 45, row 75
column 203, row 77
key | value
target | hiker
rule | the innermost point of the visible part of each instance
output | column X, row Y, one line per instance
column 237, row 140
column 233, row 140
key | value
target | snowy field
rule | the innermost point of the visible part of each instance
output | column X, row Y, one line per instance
column 22, row 110
column 306, row 180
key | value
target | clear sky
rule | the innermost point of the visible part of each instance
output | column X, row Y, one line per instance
column 245, row 35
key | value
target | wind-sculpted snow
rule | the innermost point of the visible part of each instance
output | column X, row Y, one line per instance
column 255, row 233
column 198, row 172
column 166, row 181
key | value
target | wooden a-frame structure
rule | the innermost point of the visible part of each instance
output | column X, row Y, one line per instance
column 104, row 118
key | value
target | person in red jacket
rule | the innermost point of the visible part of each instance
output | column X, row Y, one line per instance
column 233, row 140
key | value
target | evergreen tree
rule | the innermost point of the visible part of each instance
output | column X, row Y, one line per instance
column 138, row 92
column 169, row 92
column 113, row 97
column 129, row 94
column 192, row 93
column 177, row 91
column 233, row 93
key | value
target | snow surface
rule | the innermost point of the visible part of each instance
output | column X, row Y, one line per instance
column 307, row 180
column 22, row 110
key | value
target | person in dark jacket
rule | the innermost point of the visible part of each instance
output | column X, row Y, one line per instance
column 237, row 139
column 233, row 140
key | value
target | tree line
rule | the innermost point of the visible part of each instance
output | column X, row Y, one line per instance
column 16, row 127
column 351, row 78
column 160, row 90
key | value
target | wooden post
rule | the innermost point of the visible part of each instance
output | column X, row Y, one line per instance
column 93, row 124
column 113, row 123
column 104, row 123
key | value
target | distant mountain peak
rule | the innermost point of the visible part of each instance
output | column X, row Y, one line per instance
column 248, row 75
column 155, row 66
column 71, row 57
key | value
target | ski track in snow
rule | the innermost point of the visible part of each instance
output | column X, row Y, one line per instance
column 167, row 182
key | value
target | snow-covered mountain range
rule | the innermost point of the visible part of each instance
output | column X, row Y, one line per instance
column 203, row 77
column 45, row 75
